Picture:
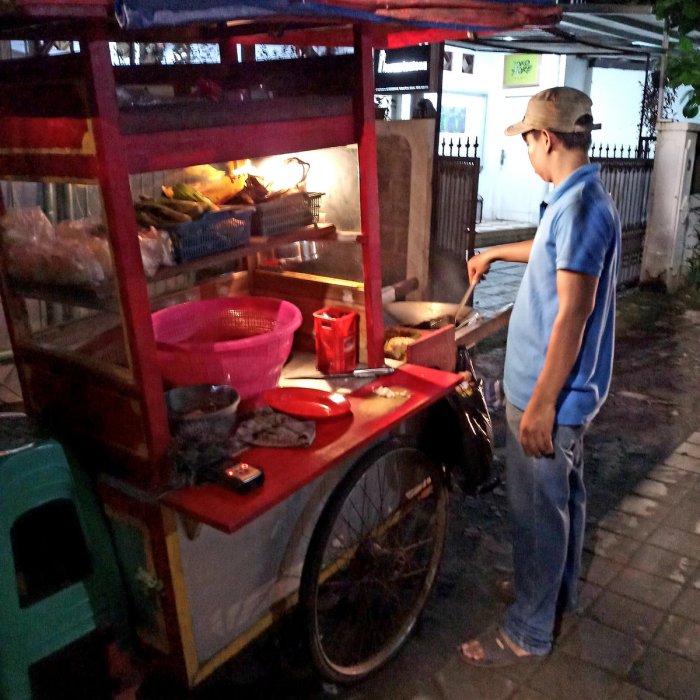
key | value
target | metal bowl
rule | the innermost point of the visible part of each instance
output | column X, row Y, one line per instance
column 210, row 407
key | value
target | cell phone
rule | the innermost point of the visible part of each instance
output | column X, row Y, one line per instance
column 242, row 477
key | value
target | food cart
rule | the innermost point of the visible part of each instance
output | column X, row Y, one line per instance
column 351, row 526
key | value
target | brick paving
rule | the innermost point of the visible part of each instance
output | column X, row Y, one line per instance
column 636, row 634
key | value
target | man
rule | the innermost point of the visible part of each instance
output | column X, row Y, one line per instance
column 557, row 371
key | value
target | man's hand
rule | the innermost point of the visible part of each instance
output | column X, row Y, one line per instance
column 536, row 428
column 477, row 267
column 576, row 293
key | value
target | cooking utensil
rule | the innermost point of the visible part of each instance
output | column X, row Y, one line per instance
column 470, row 320
column 464, row 300
column 413, row 313
column 364, row 373
column 307, row 403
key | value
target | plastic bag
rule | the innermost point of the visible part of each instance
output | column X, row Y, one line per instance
column 156, row 250
column 460, row 431
column 477, row 436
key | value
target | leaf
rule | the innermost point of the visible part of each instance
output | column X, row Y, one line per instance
column 691, row 107
column 685, row 44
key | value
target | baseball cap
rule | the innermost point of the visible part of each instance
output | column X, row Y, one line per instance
column 556, row 109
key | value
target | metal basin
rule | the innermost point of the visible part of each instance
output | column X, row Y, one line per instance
column 425, row 313
column 209, row 407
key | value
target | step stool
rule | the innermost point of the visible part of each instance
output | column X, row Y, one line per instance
column 54, row 570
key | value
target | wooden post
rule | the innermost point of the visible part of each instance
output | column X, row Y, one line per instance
column 366, row 137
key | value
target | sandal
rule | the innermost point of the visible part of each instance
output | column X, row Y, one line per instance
column 497, row 652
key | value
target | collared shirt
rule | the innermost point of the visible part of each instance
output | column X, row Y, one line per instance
column 579, row 231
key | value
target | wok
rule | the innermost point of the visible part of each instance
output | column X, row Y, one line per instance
column 416, row 313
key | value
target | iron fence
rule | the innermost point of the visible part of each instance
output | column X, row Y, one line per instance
column 455, row 195
column 626, row 174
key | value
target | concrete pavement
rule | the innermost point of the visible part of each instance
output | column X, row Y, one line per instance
column 637, row 631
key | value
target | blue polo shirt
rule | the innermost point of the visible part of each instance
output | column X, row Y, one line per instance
column 579, row 231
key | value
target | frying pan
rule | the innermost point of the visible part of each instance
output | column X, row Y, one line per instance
column 414, row 313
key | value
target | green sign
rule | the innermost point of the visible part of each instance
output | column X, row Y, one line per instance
column 521, row 70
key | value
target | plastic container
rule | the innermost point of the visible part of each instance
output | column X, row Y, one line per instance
column 286, row 213
column 336, row 333
column 214, row 232
column 240, row 341
column 313, row 201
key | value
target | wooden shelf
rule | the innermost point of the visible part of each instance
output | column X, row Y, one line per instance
column 103, row 297
column 100, row 298
column 258, row 244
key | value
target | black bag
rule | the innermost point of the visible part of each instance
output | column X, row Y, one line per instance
column 460, row 434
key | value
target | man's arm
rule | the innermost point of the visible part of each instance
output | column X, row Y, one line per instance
column 576, row 293
column 478, row 265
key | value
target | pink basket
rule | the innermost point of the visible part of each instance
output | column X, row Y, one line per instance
column 240, row 341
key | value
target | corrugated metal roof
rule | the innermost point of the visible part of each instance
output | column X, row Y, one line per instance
column 593, row 30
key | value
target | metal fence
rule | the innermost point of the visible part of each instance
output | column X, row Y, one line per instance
column 455, row 196
column 627, row 176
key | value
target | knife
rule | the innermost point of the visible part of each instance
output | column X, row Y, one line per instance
column 367, row 372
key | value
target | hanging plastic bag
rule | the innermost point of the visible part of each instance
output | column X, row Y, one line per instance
column 461, row 433
column 469, row 400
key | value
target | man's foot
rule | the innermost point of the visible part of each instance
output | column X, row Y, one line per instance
column 494, row 648
column 505, row 591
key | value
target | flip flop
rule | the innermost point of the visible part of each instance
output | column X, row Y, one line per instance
column 497, row 652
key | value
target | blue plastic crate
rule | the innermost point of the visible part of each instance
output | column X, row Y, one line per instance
column 214, row 232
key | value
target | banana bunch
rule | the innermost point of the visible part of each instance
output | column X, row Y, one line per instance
column 211, row 192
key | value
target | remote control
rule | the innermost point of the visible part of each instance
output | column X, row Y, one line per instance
column 242, row 477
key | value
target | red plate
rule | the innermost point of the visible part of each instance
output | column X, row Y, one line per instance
column 307, row 403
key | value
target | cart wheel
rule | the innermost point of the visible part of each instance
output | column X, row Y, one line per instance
column 372, row 560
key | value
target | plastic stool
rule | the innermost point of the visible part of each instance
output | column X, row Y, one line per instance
column 37, row 481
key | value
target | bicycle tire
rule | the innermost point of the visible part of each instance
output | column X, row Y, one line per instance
column 372, row 561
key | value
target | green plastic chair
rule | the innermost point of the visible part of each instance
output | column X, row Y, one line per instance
column 52, row 592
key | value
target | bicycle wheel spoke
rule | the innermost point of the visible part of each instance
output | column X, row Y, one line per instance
column 375, row 560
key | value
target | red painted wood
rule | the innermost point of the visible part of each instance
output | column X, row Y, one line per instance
column 383, row 36
column 36, row 133
column 61, row 8
column 46, row 165
column 178, row 149
column 287, row 470
column 369, row 196
column 133, row 294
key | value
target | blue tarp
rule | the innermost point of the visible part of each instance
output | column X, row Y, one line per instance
column 455, row 15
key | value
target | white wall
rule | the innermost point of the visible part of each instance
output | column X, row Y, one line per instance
column 488, row 114
column 674, row 211
column 617, row 101
column 510, row 189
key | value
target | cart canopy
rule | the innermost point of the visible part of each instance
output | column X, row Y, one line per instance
column 393, row 22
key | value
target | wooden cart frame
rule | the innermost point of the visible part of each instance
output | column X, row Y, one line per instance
column 63, row 123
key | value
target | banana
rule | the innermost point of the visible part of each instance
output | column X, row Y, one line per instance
column 183, row 191
column 193, row 209
column 163, row 212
